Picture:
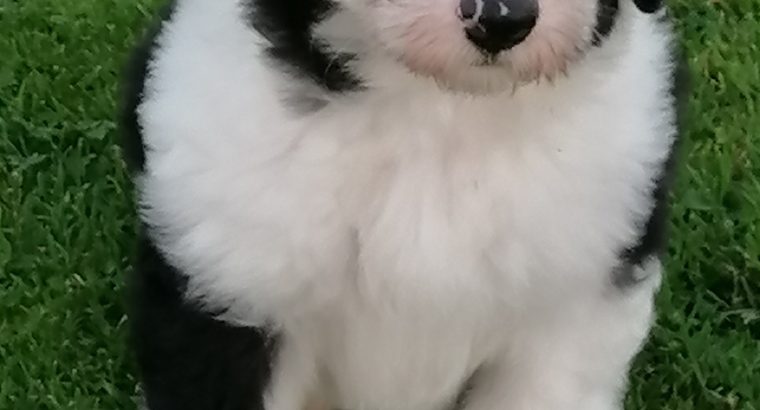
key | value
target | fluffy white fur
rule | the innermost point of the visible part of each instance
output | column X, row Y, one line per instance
column 403, row 237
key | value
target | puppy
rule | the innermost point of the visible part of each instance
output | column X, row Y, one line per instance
column 399, row 204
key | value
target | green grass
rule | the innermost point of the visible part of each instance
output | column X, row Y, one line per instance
column 66, row 216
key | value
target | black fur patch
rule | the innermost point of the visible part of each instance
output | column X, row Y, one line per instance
column 653, row 239
column 605, row 20
column 133, row 87
column 287, row 25
column 188, row 360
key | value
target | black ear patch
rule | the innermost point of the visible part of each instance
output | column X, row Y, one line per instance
column 287, row 25
column 648, row 6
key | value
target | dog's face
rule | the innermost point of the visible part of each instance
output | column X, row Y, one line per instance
column 484, row 43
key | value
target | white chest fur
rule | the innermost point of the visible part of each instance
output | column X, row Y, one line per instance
column 457, row 214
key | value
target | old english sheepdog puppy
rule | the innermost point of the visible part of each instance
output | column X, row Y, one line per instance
column 399, row 204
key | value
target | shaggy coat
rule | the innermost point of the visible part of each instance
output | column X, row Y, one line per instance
column 347, row 205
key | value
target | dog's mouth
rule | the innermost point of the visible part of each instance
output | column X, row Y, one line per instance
column 491, row 44
column 488, row 61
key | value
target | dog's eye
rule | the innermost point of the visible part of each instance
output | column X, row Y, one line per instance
column 648, row 6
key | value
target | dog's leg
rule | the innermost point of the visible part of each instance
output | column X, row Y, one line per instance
column 188, row 360
column 571, row 357
column 295, row 383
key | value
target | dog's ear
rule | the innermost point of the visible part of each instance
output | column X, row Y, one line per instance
column 648, row 6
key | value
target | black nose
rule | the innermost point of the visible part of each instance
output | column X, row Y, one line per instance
column 497, row 25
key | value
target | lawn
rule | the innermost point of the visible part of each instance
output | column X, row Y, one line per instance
column 66, row 218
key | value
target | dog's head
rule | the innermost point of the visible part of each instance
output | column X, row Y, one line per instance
column 472, row 43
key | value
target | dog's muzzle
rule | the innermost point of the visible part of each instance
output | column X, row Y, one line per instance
column 498, row 25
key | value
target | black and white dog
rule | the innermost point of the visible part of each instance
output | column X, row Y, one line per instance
column 399, row 204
